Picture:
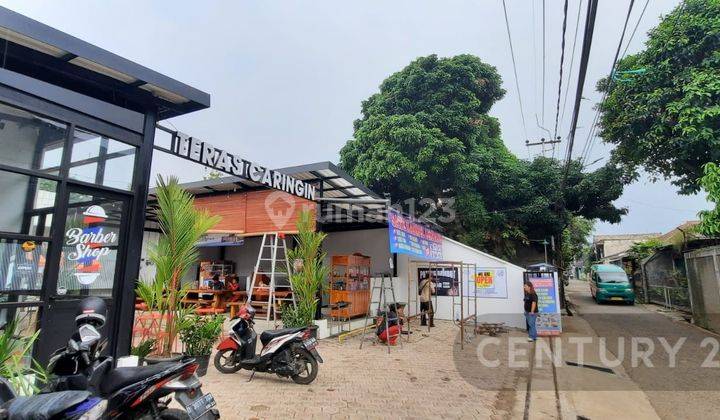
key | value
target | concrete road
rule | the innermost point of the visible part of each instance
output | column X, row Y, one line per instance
column 690, row 389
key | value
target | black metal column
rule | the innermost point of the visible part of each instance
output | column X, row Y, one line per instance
column 125, row 301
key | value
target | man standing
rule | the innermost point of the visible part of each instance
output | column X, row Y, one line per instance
column 427, row 289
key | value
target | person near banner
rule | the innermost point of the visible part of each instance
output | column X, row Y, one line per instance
column 531, row 310
column 427, row 289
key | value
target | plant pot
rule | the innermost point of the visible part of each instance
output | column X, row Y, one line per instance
column 152, row 359
column 203, row 362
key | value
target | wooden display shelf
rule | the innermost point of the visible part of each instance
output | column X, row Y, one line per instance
column 358, row 299
column 350, row 282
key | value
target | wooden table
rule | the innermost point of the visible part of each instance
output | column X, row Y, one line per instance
column 217, row 303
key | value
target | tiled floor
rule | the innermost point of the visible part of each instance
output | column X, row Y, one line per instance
column 427, row 378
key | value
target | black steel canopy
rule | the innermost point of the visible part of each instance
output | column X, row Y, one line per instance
column 36, row 50
column 332, row 183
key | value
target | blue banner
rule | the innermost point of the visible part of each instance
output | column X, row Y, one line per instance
column 411, row 238
column 549, row 319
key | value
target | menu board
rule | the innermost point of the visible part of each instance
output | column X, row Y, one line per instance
column 411, row 238
column 548, row 320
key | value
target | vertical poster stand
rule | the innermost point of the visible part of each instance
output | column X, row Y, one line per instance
column 544, row 279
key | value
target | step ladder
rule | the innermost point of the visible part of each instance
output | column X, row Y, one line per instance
column 384, row 285
column 271, row 262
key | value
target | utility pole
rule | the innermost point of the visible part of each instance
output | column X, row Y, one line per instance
column 584, row 58
column 542, row 142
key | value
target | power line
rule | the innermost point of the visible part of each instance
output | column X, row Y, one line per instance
column 517, row 83
column 572, row 61
column 589, row 142
column 562, row 58
column 584, row 58
column 543, row 63
column 632, row 35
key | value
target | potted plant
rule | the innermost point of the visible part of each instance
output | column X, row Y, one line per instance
column 198, row 335
column 16, row 365
column 308, row 273
column 181, row 226
column 143, row 349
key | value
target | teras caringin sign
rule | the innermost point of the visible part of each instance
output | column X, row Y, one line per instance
column 202, row 152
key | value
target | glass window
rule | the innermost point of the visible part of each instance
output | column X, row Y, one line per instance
column 27, row 205
column 90, row 246
column 29, row 141
column 22, row 264
column 26, row 318
column 101, row 160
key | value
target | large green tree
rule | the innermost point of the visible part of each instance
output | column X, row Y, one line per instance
column 662, row 111
column 427, row 135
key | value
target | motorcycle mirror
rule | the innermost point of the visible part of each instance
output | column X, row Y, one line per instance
column 88, row 334
column 73, row 345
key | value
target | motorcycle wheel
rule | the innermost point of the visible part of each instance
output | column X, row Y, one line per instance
column 311, row 367
column 223, row 361
column 174, row 414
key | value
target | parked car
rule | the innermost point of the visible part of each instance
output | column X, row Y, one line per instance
column 609, row 282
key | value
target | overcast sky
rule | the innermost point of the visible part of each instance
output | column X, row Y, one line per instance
column 287, row 77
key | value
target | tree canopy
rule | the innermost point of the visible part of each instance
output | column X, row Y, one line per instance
column 710, row 219
column 427, row 135
column 662, row 111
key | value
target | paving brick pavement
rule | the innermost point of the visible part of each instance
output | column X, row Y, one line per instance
column 426, row 378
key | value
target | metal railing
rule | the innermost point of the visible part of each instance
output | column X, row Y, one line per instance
column 677, row 298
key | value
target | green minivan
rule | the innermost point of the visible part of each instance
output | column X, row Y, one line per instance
column 609, row 282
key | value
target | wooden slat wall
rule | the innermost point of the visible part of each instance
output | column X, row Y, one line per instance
column 255, row 212
column 231, row 207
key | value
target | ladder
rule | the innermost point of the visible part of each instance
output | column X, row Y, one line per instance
column 383, row 285
column 272, row 263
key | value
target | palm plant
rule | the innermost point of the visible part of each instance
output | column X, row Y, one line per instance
column 14, row 353
column 309, row 271
column 181, row 226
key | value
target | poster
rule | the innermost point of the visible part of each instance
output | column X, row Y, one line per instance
column 548, row 320
column 489, row 282
column 408, row 237
column 446, row 280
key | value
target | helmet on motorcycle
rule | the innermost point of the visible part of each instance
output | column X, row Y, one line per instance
column 246, row 312
column 92, row 311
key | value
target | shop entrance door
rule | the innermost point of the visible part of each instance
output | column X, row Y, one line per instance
column 91, row 262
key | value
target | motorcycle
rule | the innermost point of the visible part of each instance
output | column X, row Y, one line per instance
column 71, row 405
column 131, row 392
column 287, row 352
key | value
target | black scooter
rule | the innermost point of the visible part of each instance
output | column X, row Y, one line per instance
column 66, row 405
column 139, row 392
column 287, row 352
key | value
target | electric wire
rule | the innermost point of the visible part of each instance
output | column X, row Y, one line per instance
column 543, row 63
column 517, row 82
column 590, row 140
column 562, row 59
column 582, row 73
column 632, row 35
column 572, row 61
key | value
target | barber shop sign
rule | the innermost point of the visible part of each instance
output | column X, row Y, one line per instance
column 89, row 244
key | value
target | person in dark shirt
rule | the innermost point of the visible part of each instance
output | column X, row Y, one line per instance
column 531, row 310
column 216, row 283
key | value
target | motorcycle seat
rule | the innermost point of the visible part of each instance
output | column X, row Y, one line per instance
column 121, row 377
column 44, row 406
column 269, row 335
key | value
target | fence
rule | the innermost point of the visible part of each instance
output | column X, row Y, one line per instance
column 703, row 272
column 665, row 282
column 671, row 297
